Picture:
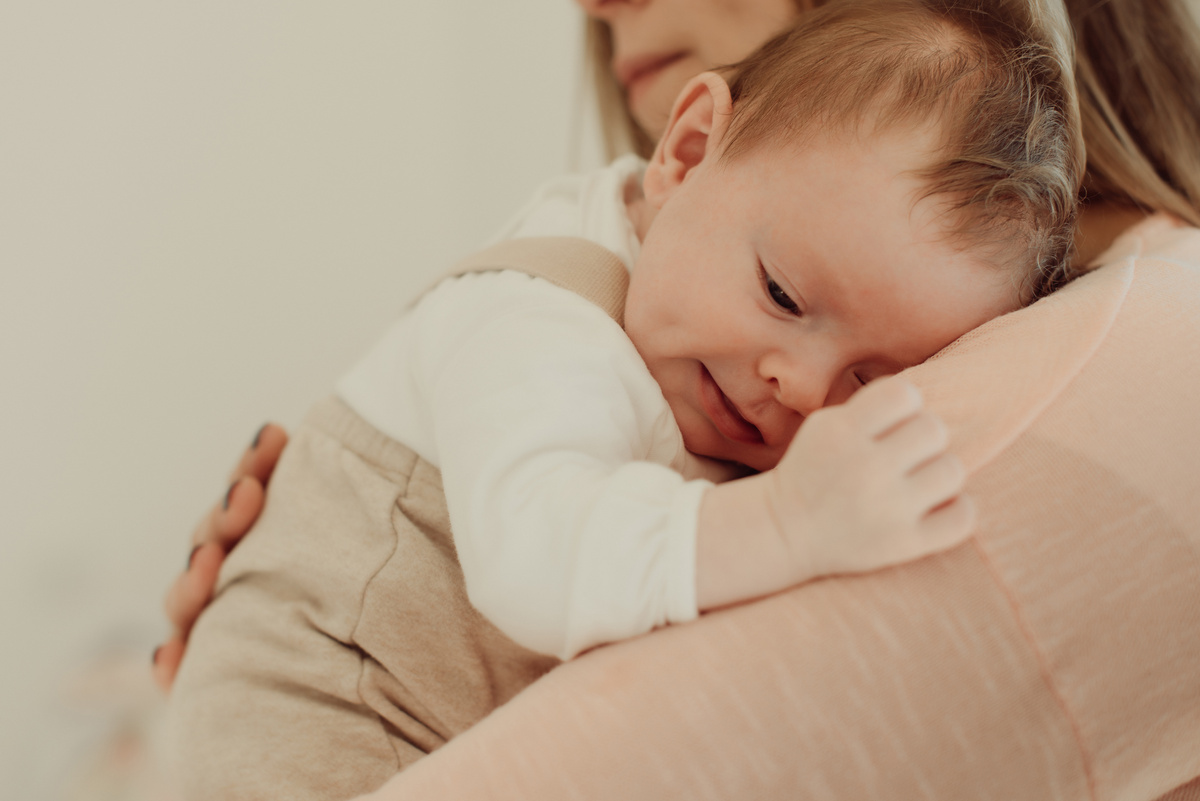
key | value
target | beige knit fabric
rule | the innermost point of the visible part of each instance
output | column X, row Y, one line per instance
column 579, row 265
column 1056, row 655
column 341, row 646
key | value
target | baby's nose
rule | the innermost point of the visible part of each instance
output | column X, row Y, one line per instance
column 799, row 391
column 809, row 374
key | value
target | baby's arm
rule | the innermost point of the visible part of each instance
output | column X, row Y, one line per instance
column 864, row 485
column 556, row 451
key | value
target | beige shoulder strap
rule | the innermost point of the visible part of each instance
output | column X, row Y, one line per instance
column 578, row 265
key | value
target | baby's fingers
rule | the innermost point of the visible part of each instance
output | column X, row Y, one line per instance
column 917, row 440
column 949, row 525
column 937, row 481
column 883, row 404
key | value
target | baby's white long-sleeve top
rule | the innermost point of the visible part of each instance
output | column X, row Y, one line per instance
column 561, row 461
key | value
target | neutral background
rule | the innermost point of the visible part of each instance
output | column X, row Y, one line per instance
column 207, row 210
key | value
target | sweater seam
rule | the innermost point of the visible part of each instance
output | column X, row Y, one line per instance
column 1043, row 662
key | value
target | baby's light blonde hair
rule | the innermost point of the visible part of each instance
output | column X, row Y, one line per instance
column 994, row 78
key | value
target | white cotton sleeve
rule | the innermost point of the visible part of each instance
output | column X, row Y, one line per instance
column 554, row 441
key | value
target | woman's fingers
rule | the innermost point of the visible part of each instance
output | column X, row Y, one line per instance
column 260, row 458
column 185, row 600
column 166, row 662
column 237, row 512
column 193, row 589
column 216, row 534
column 232, row 517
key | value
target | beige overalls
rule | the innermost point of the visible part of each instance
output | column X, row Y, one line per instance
column 341, row 646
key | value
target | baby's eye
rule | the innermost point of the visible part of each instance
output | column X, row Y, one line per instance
column 778, row 296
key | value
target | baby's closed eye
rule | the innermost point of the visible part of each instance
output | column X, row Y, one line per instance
column 777, row 294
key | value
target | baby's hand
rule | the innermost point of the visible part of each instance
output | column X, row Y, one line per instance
column 869, row 484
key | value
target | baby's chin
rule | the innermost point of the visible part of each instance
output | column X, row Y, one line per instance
column 713, row 469
column 749, row 459
column 702, row 441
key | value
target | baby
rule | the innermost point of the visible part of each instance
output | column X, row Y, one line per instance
column 859, row 193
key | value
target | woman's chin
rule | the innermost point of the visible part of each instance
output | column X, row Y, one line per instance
column 650, row 103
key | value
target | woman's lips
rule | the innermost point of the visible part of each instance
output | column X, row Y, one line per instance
column 723, row 414
column 635, row 74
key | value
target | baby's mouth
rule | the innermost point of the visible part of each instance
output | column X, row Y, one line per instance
column 723, row 414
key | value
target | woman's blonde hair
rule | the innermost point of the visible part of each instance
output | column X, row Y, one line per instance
column 1137, row 73
column 619, row 131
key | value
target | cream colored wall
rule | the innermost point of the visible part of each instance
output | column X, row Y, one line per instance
column 206, row 211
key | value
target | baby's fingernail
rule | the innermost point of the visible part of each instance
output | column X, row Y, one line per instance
column 154, row 656
column 228, row 494
column 192, row 557
column 258, row 437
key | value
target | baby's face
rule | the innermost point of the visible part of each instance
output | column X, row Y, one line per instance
column 783, row 280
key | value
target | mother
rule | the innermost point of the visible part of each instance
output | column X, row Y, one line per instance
column 1052, row 657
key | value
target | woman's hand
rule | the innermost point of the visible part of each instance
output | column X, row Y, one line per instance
column 217, row 533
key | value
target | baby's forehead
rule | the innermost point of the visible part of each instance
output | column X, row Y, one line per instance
column 839, row 204
column 1003, row 160
column 910, row 142
column 874, row 164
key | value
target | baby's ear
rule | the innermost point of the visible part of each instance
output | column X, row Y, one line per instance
column 695, row 131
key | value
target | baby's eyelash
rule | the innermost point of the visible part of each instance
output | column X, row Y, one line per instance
column 776, row 293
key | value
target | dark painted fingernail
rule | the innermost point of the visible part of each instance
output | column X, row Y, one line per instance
column 192, row 557
column 258, row 437
column 228, row 493
column 154, row 656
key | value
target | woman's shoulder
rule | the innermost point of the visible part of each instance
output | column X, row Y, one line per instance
column 1159, row 237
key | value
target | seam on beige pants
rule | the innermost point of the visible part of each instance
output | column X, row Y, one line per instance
column 362, row 657
column 362, row 670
